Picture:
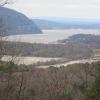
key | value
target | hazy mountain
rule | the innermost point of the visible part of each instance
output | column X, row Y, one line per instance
column 47, row 24
column 67, row 23
column 13, row 22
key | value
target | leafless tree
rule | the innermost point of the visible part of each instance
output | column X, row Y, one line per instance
column 4, row 2
column 2, row 29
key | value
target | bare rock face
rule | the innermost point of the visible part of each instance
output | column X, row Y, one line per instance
column 15, row 23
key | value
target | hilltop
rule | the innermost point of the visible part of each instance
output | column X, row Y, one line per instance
column 15, row 23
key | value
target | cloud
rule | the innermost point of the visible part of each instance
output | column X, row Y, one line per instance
column 61, row 8
column 57, row 2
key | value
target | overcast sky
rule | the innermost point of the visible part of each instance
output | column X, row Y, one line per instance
column 59, row 8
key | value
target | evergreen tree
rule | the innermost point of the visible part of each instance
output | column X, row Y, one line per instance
column 94, row 92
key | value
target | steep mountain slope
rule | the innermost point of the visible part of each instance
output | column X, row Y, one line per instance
column 13, row 22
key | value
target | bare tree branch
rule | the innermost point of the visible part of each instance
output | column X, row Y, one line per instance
column 4, row 2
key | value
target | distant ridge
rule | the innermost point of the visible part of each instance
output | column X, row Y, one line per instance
column 67, row 23
column 47, row 24
column 15, row 23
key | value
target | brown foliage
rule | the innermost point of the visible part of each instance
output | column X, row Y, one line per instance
column 64, row 83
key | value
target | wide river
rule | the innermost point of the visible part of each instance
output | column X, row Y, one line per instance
column 51, row 36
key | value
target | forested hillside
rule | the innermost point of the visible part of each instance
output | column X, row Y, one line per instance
column 90, row 40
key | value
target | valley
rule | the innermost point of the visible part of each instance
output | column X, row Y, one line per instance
column 54, row 57
column 47, row 47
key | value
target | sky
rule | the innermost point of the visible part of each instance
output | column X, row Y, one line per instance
column 58, row 8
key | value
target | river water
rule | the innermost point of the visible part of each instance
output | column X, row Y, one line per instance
column 50, row 36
